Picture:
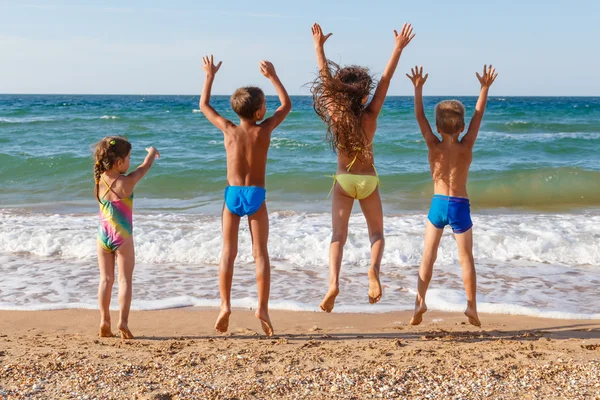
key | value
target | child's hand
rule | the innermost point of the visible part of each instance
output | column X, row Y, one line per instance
column 318, row 36
column 417, row 77
column 405, row 36
column 209, row 66
column 267, row 69
column 489, row 76
column 153, row 152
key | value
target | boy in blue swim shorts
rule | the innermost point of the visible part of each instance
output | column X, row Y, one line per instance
column 246, row 145
column 449, row 161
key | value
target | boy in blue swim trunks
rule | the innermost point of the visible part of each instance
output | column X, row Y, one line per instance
column 246, row 145
column 449, row 161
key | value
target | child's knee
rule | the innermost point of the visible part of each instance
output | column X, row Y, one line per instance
column 376, row 237
column 466, row 260
column 229, row 252
column 260, row 252
column 107, row 280
column 339, row 236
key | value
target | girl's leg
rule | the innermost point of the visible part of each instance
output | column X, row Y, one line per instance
column 464, row 241
column 230, row 226
column 432, row 241
column 125, row 263
column 341, row 208
column 373, row 211
column 106, row 265
column 259, row 229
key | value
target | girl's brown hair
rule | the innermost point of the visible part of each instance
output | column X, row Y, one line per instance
column 106, row 153
column 338, row 100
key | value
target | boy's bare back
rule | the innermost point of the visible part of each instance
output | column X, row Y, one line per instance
column 449, row 163
column 247, row 149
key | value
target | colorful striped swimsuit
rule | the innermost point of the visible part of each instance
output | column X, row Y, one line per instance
column 116, row 220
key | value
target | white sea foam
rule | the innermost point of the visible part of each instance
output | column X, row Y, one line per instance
column 109, row 117
column 527, row 264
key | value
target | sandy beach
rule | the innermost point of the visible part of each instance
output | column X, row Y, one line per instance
column 177, row 355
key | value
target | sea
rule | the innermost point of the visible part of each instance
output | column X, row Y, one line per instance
column 534, row 187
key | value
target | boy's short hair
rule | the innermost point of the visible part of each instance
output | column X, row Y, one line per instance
column 246, row 101
column 450, row 116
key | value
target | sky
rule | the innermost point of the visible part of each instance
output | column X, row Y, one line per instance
column 539, row 48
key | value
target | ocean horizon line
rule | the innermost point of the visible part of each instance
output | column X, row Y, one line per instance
column 295, row 95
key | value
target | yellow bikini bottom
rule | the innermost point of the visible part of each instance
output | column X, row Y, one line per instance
column 356, row 186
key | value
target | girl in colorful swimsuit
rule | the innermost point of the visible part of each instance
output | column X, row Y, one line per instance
column 114, row 192
column 340, row 98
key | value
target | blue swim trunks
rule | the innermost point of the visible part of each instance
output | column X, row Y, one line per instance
column 453, row 211
column 244, row 200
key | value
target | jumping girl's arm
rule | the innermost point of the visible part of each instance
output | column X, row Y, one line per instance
column 319, row 40
column 402, row 40
column 268, row 70
column 486, row 81
column 209, row 112
column 419, row 80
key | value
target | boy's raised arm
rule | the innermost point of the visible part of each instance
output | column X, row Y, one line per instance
column 268, row 70
column 418, row 81
column 402, row 39
column 209, row 112
column 486, row 81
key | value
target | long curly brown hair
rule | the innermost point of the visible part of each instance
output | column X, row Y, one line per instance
column 106, row 154
column 338, row 100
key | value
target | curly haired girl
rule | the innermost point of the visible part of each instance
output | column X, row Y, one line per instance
column 340, row 98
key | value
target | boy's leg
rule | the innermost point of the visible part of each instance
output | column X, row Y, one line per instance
column 464, row 241
column 230, row 226
column 125, row 264
column 259, row 229
column 373, row 211
column 341, row 208
column 106, row 265
column 432, row 241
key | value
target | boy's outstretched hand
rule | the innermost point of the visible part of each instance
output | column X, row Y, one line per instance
column 417, row 77
column 267, row 69
column 404, row 37
column 489, row 76
column 318, row 36
column 209, row 65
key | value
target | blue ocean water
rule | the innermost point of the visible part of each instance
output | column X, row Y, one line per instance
column 534, row 185
column 534, row 153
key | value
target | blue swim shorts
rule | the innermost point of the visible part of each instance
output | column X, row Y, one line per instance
column 453, row 211
column 244, row 200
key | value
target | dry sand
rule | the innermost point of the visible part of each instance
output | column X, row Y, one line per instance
column 177, row 355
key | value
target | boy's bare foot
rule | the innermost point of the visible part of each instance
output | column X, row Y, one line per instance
column 472, row 316
column 223, row 320
column 374, row 286
column 104, row 330
column 265, row 321
column 125, row 332
column 329, row 299
column 417, row 317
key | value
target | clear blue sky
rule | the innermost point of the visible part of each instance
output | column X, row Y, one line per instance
column 155, row 47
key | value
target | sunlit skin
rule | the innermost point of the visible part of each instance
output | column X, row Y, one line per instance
column 341, row 206
column 246, row 146
column 449, row 161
